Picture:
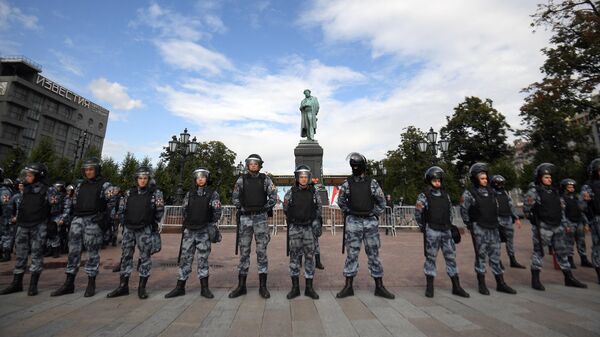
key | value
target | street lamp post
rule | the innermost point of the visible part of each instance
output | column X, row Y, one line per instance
column 431, row 144
column 181, row 149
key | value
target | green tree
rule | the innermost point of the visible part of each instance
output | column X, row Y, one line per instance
column 13, row 162
column 110, row 170
column 43, row 152
column 128, row 167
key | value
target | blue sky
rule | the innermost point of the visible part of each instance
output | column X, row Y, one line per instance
column 234, row 70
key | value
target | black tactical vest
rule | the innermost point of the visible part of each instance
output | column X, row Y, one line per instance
column 34, row 207
column 302, row 210
column 504, row 209
column 595, row 185
column 88, row 198
column 549, row 210
column 485, row 211
column 361, row 200
column 572, row 210
column 437, row 213
column 139, row 212
column 254, row 196
column 199, row 211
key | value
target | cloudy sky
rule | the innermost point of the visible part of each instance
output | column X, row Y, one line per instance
column 234, row 70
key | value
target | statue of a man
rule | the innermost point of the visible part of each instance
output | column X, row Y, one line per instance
column 309, row 108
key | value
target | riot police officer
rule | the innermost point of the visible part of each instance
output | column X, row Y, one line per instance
column 254, row 196
column 302, row 207
column 6, row 228
column 8, row 238
column 507, row 217
column 576, row 221
column 201, row 214
column 362, row 201
column 140, row 210
column 479, row 211
column 590, row 193
column 543, row 201
column 90, row 219
column 32, row 219
column 57, row 220
column 434, row 214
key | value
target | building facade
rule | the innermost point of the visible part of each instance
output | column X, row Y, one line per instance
column 33, row 107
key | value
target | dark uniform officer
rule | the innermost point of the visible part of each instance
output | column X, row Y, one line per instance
column 32, row 218
column 57, row 214
column 576, row 221
column 362, row 202
column 590, row 193
column 254, row 195
column 302, row 207
column 434, row 214
column 479, row 211
column 507, row 217
column 8, row 238
column 7, row 232
column 90, row 219
column 543, row 202
column 140, row 211
column 201, row 214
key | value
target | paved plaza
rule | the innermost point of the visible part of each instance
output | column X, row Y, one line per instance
column 559, row 311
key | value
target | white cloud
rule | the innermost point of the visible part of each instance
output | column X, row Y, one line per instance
column 10, row 15
column 113, row 93
column 68, row 63
column 192, row 56
column 169, row 24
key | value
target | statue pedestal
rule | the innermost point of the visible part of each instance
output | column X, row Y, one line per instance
column 309, row 152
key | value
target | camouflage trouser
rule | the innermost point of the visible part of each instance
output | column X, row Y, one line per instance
column 317, row 246
column 434, row 241
column 7, row 231
column 507, row 230
column 53, row 239
column 554, row 236
column 257, row 225
column 87, row 232
column 302, row 243
column 596, row 241
column 141, row 237
column 195, row 242
column 30, row 239
column 359, row 229
column 576, row 236
column 487, row 243
column 111, row 232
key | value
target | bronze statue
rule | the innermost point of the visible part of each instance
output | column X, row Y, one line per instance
column 309, row 108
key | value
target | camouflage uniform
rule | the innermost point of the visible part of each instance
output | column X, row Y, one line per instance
column 7, row 231
column 302, row 239
column 594, row 224
column 362, row 229
column 254, row 223
column 487, row 240
column 57, row 213
column 63, row 230
column 576, row 235
column 140, row 236
column 506, row 228
column 111, row 233
column 85, row 230
column 549, row 234
column 196, row 241
column 436, row 239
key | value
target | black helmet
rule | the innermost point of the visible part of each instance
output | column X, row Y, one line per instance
column 475, row 170
column 566, row 182
column 92, row 162
column 143, row 171
column 59, row 185
column 357, row 162
column 542, row 170
column 498, row 181
column 7, row 182
column 593, row 169
column 39, row 171
column 201, row 172
column 434, row 172
column 302, row 170
column 256, row 158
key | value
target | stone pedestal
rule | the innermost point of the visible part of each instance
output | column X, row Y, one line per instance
column 309, row 152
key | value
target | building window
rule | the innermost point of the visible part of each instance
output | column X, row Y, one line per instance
column 48, row 125
column 15, row 112
column 10, row 131
column 37, row 101
column 34, row 115
column 59, row 146
column 3, row 86
column 27, row 143
column 66, row 111
column 50, row 107
column 61, row 129
column 100, row 126
column 75, row 133
column 72, row 147
column 29, row 133
column 20, row 92
column 90, row 122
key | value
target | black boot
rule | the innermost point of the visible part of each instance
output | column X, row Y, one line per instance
column 295, row 292
column 318, row 264
column 122, row 289
column 90, row 290
column 483, row 290
column 535, row 281
column 514, row 263
column 347, row 290
column 380, row 289
column 15, row 286
column 241, row 288
column 571, row 281
column 55, row 252
column 5, row 255
column 429, row 287
column 67, row 288
column 117, row 268
column 142, row 293
column 584, row 262
column 204, row 291
column 178, row 291
column 502, row 287
column 33, row 290
column 572, row 262
column 262, row 286
column 47, row 251
column 457, row 289
column 309, row 290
